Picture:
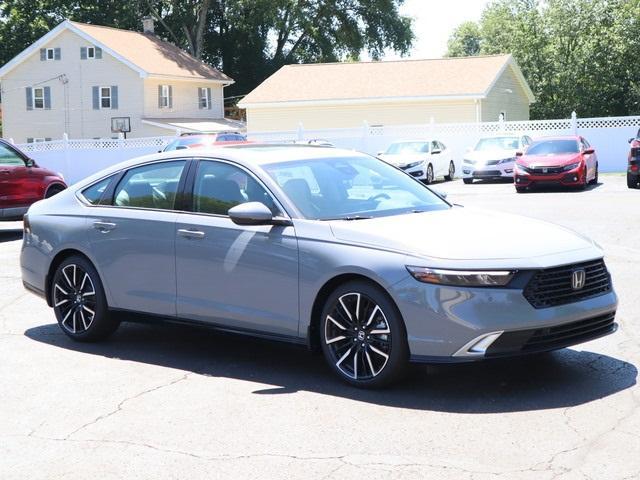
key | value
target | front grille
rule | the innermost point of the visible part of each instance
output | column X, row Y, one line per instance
column 544, row 170
column 552, row 338
column 493, row 162
column 486, row 173
column 553, row 286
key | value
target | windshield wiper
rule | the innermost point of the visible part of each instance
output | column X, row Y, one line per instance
column 350, row 218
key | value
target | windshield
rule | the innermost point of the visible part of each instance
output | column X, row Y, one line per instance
column 497, row 143
column 407, row 147
column 553, row 147
column 351, row 188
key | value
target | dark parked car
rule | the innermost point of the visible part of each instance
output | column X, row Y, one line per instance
column 633, row 166
column 23, row 182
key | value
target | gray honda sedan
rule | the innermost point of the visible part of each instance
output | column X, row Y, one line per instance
column 317, row 246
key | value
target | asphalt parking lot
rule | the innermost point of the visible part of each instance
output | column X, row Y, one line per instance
column 176, row 402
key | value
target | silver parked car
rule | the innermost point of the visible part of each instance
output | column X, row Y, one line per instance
column 493, row 158
column 426, row 160
column 318, row 246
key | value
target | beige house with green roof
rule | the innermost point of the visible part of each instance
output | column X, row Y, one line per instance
column 340, row 95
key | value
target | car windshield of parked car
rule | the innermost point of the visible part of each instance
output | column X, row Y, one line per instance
column 497, row 143
column 553, row 147
column 9, row 157
column 352, row 188
column 401, row 148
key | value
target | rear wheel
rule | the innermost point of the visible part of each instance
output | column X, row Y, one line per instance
column 452, row 172
column 79, row 301
column 363, row 336
column 632, row 180
column 521, row 189
column 467, row 181
column 53, row 190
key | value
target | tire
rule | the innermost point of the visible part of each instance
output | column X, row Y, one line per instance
column 430, row 177
column 467, row 181
column 583, row 184
column 53, row 190
column 632, row 180
column 521, row 189
column 452, row 172
column 594, row 181
column 79, row 301
column 363, row 337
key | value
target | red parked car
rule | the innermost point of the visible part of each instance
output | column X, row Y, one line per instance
column 633, row 168
column 23, row 182
column 566, row 161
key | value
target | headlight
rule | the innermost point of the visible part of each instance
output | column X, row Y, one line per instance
column 470, row 162
column 461, row 278
column 571, row 167
column 521, row 168
column 413, row 164
column 507, row 160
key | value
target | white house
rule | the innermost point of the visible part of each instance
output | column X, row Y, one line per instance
column 88, row 81
column 340, row 95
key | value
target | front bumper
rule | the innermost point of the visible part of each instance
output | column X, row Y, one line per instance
column 569, row 178
column 442, row 320
column 496, row 171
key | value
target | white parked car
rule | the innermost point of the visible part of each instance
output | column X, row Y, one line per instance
column 493, row 158
column 423, row 159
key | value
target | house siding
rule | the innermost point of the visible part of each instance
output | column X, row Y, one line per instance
column 185, row 99
column 507, row 95
column 346, row 116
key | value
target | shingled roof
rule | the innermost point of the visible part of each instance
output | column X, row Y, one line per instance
column 326, row 82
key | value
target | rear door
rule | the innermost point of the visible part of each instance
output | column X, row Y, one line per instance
column 133, row 237
column 241, row 277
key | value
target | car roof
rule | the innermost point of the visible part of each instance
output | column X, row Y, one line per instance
column 249, row 155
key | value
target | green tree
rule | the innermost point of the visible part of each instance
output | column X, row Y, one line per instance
column 465, row 40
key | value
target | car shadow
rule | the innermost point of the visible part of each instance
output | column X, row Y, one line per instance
column 561, row 379
column 10, row 235
column 480, row 181
column 561, row 189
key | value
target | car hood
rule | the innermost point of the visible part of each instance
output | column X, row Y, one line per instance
column 470, row 237
column 550, row 160
column 403, row 159
column 487, row 155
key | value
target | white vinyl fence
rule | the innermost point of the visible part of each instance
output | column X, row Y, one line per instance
column 609, row 135
column 77, row 159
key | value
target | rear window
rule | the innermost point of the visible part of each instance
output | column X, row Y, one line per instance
column 94, row 193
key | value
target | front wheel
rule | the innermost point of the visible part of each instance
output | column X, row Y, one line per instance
column 363, row 336
column 429, row 178
column 467, row 181
column 79, row 302
column 633, row 180
column 452, row 172
column 594, row 180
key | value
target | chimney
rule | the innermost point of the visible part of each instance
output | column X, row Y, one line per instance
column 148, row 25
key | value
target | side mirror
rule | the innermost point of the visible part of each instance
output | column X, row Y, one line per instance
column 631, row 139
column 436, row 152
column 380, row 153
column 519, row 153
column 30, row 162
column 589, row 151
column 255, row 213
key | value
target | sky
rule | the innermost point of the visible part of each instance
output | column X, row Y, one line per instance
column 434, row 20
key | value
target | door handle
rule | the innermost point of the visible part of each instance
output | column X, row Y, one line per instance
column 191, row 233
column 4, row 172
column 104, row 227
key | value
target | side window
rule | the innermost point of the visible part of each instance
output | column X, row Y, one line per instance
column 150, row 186
column 10, row 157
column 220, row 186
column 585, row 143
column 442, row 146
column 94, row 193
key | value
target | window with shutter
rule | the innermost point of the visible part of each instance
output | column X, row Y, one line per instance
column 50, row 54
column 38, row 98
column 163, row 100
column 91, row 52
column 105, row 97
column 203, row 98
column 29, row 91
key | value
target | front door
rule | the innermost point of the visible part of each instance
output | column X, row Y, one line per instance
column 133, row 240
column 241, row 277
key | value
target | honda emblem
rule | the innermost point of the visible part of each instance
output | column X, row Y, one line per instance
column 578, row 279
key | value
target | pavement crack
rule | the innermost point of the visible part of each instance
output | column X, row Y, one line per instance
column 120, row 405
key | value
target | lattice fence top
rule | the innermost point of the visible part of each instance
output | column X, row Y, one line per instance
column 93, row 144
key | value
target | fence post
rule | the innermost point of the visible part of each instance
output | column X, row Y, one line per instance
column 365, row 136
column 501, row 122
column 574, row 123
column 67, row 161
column 300, row 131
